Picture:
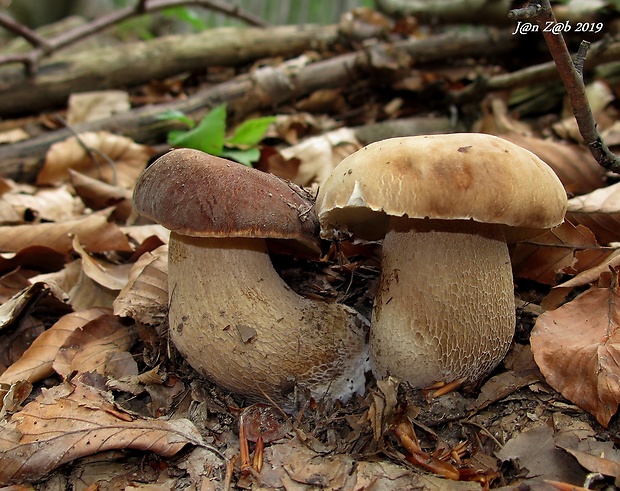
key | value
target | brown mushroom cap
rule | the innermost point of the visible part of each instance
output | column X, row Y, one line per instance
column 231, row 315
column 196, row 194
column 457, row 176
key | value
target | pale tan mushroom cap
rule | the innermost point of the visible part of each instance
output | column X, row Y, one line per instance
column 196, row 194
column 458, row 176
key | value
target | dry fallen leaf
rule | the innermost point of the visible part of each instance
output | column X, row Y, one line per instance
column 73, row 420
column 46, row 204
column 145, row 297
column 534, row 450
column 124, row 161
column 577, row 348
column 94, row 232
column 36, row 362
column 320, row 154
column 599, row 211
column 565, row 249
column 86, row 293
column 111, row 276
column 101, row 345
column 90, row 106
column 98, row 195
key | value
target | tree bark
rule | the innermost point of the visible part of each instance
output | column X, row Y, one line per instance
column 266, row 88
column 136, row 63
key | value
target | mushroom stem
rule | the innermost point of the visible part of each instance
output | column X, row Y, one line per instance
column 445, row 305
column 234, row 319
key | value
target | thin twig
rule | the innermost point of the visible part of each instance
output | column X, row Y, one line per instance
column 44, row 47
column 580, row 58
column 542, row 13
column 600, row 52
column 21, row 30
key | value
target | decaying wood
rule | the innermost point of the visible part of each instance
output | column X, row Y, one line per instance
column 445, row 11
column 43, row 45
column 139, row 62
column 601, row 52
column 267, row 87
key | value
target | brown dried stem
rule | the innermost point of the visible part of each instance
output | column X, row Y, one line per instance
column 43, row 47
column 542, row 13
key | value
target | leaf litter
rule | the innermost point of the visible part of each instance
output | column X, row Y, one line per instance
column 94, row 396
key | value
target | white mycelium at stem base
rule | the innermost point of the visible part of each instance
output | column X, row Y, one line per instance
column 445, row 306
column 236, row 321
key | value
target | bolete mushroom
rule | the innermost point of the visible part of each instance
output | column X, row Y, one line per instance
column 231, row 315
column 446, row 205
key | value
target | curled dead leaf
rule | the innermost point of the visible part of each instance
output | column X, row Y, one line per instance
column 36, row 362
column 577, row 348
column 74, row 420
column 112, row 158
column 111, row 276
column 45, row 204
column 145, row 297
column 101, row 346
column 98, row 195
column 565, row 249
column 599, row 211
column 96, row 234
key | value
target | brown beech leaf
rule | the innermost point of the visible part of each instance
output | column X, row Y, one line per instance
column 74, row 420
column 38, row 258
column 46, row 204
column 99, row 195
column 599, row 211
column 565, row 249
column 125, row 159
column 101, row 345
column 36, row 295
column 5, row 185
column 577, row 348
column 558, row 293
column 145, row 297
column 320, row 154
column 86, row 293
column 12, row 283
column 36, row 362
column 111, row 276
column 94, row 232
column 591, row 275
column 140, row 233
column 90, row 106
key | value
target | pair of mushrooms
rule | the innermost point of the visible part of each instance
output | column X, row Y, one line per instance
column 445, row 207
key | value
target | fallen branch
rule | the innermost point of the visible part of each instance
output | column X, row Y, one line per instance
column 446, row 11
column 267, row 87
column 601, row 52
column 135, row 63
column 542, row 13
column 43, row 47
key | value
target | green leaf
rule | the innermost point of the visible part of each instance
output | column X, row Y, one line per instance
column 208, row 136
column 245, row 157
column 176, row 115
column 186, row 15
column 250, row 132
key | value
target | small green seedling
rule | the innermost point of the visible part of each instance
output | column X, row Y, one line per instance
column 210, row 135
